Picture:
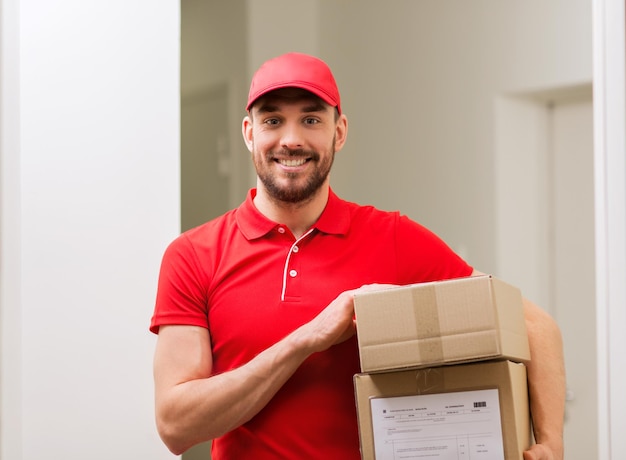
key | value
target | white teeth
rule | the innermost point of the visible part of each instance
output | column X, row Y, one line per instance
column 297, row 162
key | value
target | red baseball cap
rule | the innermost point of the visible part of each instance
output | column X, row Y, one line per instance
column 295, row 70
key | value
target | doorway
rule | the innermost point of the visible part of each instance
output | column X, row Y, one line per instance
column 545, row 215
column 205, row 157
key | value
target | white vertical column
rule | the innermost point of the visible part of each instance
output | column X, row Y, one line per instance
column 90, row 198
column 610, row 191
column 10, row 279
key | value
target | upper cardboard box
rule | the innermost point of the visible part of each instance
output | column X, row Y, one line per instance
column 445, row 322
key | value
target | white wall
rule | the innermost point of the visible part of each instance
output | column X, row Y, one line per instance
column 419, row 81
column 281, row 26
column 95, row 195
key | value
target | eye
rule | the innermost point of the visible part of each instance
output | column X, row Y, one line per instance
column 311, row 121
column 271, row 121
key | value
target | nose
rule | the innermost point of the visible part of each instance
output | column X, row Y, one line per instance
column 292, row 136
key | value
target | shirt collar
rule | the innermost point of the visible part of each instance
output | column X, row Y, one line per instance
column 335, row 218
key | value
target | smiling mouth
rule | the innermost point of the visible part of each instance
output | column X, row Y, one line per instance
column 292, row 162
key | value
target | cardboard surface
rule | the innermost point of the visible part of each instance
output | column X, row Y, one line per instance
column 446, row 322
column 507, row 377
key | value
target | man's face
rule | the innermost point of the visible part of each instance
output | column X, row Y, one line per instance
column 292, row 136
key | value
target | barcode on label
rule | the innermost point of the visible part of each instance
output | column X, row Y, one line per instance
column 480, row 404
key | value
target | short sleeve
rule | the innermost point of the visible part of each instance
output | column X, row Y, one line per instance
column 424, row 256
column 181, row 293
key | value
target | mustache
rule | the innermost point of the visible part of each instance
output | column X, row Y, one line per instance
column 284, row 152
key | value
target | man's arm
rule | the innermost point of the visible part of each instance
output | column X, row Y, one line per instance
column 193, row 406
column 546, row 382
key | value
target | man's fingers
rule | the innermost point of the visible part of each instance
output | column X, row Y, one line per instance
column 538, row 452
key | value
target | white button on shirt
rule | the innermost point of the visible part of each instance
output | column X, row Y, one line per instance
column 287, row 272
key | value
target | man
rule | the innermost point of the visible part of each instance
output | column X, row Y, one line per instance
column 254, row 310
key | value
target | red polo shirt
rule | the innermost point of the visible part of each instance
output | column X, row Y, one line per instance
column 251, row 283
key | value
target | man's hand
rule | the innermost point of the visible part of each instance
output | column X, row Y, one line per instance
column 540, row 452
column 336, row 323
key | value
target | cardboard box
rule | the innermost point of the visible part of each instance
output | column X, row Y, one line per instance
column 478, row 411
column 445, row 322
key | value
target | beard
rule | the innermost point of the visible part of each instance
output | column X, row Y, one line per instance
column 296, row 189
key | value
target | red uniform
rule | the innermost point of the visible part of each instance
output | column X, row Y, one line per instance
column 249, row 281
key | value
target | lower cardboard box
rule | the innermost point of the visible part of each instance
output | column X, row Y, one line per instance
column 475, row 411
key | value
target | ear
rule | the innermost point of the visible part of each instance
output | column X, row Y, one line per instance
column 246, row 131
column 341, row 132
